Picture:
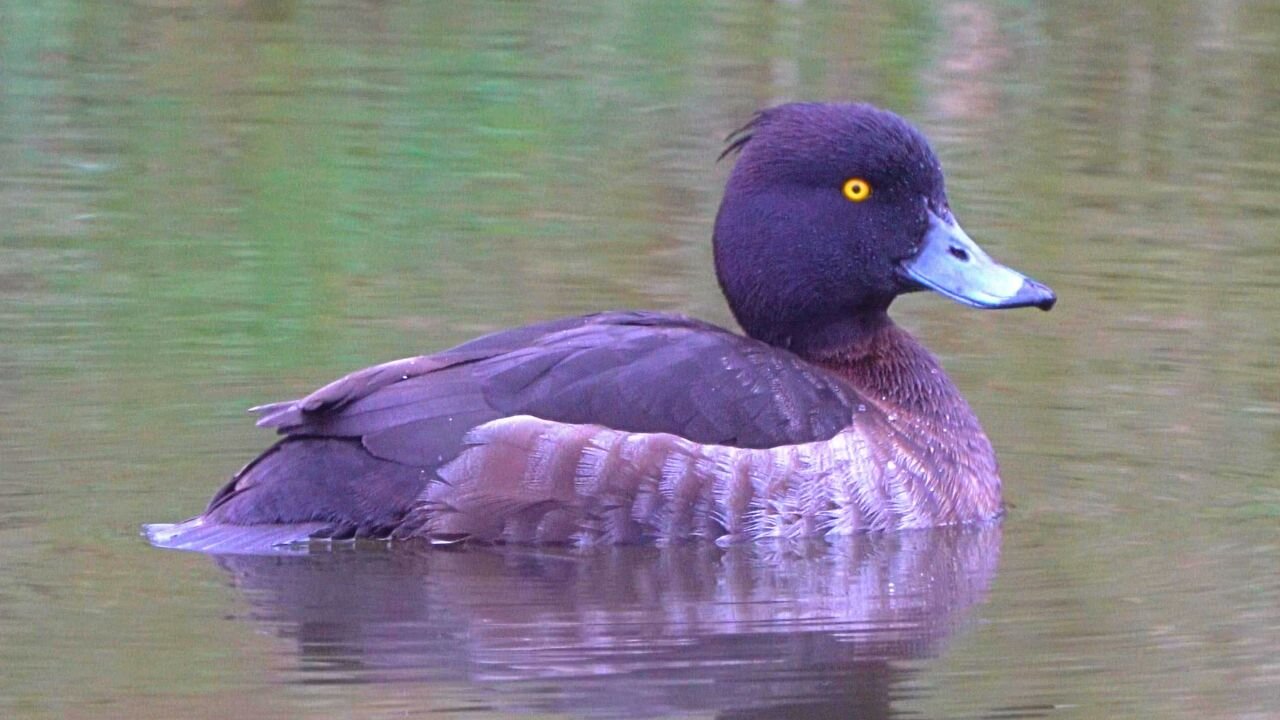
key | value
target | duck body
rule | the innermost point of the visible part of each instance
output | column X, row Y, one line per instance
column 826, row 418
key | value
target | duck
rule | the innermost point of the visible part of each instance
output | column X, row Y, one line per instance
column 821, row 418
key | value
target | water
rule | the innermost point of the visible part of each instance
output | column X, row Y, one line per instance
column 211, row 207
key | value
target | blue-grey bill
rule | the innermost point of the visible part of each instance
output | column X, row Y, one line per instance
column 952, row 264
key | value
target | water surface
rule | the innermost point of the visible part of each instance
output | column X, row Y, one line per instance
column 207, row 208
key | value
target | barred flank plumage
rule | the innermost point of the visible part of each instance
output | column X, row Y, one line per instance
column 524, row 479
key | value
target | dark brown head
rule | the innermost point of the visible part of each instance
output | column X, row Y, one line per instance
column 831, row 212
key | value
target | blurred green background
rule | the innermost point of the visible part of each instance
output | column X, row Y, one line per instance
column 205, row 206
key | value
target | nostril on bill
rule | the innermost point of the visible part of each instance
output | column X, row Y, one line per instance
column 959, row 253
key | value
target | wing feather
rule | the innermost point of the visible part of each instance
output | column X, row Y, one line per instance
column 359, row 452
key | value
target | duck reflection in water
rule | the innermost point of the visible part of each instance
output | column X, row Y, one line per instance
column 761, row 630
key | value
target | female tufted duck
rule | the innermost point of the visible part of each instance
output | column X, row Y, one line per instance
column 621, row 427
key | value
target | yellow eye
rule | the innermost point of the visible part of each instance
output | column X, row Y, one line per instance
column 857, row 189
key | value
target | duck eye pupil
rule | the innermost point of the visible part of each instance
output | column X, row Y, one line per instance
column 959, row 253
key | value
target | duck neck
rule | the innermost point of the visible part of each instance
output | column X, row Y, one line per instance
column 892, row 370
column 885, row 363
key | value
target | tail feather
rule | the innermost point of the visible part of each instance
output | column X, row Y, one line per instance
column 200, row 534
column 300, row 490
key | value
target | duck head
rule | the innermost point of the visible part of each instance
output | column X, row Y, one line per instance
column 831, row 212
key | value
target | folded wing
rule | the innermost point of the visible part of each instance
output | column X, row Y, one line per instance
column 359, row 454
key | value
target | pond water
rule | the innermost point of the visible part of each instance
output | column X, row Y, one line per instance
column 208, row 206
